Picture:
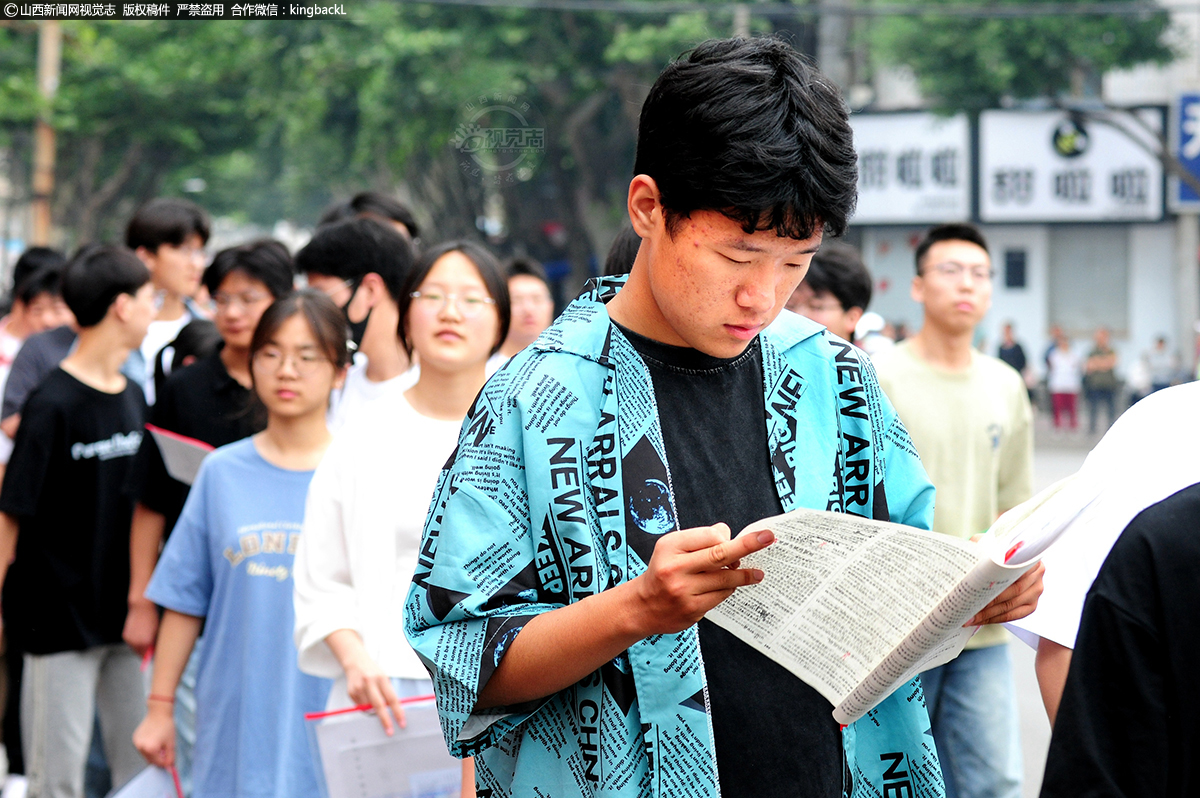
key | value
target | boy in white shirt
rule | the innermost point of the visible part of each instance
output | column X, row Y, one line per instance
column 168, row 236
column 361, row 264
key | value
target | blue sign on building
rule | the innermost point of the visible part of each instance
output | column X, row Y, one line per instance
column 1186, row 136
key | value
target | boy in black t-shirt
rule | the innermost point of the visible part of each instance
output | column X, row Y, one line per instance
column 64, row 513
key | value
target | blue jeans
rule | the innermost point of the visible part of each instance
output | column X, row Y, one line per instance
column 973, row 711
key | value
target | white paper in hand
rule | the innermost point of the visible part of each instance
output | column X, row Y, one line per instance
column 152, row 782
column 181, row 455
column 359, row 760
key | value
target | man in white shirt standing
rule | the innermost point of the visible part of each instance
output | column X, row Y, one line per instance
column 362, row 265
column 168, row 236
column 969, row 417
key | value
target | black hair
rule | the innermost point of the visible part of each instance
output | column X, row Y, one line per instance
column 751, row 129
column 265, row 260
column 325, row 320
column 43, row 281
column 96, row 276
column 622, row 253
column 957, row 231
column 372, row 204
column 198, row 338
column 166, row 220
column 36, row 259
column 490, row 271
column 353, row 248
column 526, row 267
column 837, row 269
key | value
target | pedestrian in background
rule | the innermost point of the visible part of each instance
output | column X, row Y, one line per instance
column 65, row 517
column 1064, row 380
column 1163, row 364
column 1100, row 380
column 227, row 567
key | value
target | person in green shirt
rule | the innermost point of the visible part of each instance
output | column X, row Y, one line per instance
column 969, row 417
column 1100, row 380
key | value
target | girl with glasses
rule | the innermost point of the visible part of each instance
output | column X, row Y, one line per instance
column 228, row 567
column 368, row 500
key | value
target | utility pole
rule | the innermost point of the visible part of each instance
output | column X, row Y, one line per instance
column 833, row 45
column 48, row 66
column 741, row 20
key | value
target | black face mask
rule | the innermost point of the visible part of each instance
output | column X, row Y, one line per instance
column 357, row 328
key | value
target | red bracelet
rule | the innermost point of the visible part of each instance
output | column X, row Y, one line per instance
column 164, row 698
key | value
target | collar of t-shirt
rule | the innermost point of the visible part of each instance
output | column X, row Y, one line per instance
column 682, row 358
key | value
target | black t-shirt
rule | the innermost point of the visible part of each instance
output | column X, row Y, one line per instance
column 203, row 402
column 1129, row 722
column 774, row 735
column 1013, row 355
column 68, row 586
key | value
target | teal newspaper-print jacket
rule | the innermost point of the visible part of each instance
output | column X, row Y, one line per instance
column 560, row 487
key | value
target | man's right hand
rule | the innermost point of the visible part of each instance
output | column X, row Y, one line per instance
column 154, row 738
column 141, row 626
column 692, row 571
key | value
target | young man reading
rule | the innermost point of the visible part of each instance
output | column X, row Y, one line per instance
column 361, row 264
column 64, row 514
column 970, row 419
column 583, row 527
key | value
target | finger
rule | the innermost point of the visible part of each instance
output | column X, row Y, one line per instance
column 393, row 701
column 726, row 553
column 375, row 698
column 725, row 580
column 1018, row 607
column 1017, row 601
column 699, row 538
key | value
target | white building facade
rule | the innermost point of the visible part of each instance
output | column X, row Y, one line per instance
column 1073, row 206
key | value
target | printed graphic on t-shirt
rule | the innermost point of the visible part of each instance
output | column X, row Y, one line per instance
column 119, row 445
column 271, row 537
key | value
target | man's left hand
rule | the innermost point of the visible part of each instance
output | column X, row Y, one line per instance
column 1017, row 601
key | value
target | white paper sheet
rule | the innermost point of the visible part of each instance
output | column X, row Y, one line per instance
column 152, row 782
column 181, row 455
column 360, row 761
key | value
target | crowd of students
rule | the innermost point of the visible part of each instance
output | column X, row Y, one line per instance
column 421, row 482
column 116, row 563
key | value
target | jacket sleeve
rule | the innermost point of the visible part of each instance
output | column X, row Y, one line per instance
column 484, row 569
column 907, row 488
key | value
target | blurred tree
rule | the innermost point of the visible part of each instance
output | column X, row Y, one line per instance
column 272, row 120
column 971, row 63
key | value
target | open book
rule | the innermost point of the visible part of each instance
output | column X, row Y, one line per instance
column 856, row 607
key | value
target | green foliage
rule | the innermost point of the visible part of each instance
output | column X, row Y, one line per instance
column 973, row 63
column 657, row 43
column 279, row 118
